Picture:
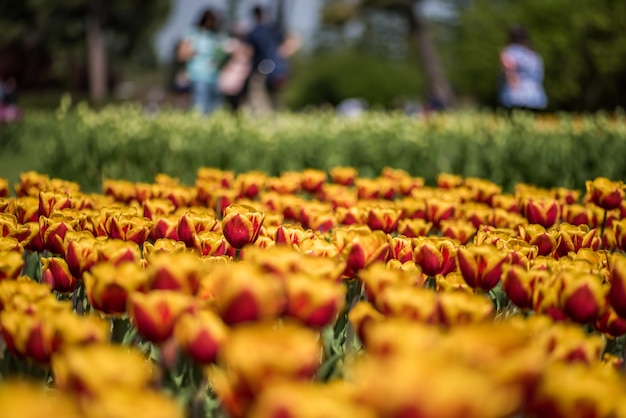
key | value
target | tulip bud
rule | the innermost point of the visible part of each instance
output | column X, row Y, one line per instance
column 459, row 230
column 313, row 301
column 543, row 211
column 617, row 292
column 49, row 201
column 383, row 219
column 414, row 228
column 459, row 308
column 119, row 367
column 313, row 180
column 583, row 297
column 408, row 302
column 201, row 335
column 129, row 228
column 245, row 293
column 573, row 238
column 175, row 271
column 154, row 314
column 481, row 266
column 28, row 335
column 610, row 323
column 605, row 193
column 191, row 224
column 210, row 243
column 343, row 175
column 537, row 235
column 11, row 263
column 435, row 255
column 56, row 273
column 364, row 249
column 438, row 209
column 241, row 225
column 108, row 286
column 53, row 229
column 519, row 284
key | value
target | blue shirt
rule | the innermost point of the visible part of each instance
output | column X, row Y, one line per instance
column 206, row 46
column 528, row 91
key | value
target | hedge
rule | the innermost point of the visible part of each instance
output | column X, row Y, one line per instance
column 87, row 146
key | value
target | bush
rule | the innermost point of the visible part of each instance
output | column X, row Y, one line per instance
column 121, row 142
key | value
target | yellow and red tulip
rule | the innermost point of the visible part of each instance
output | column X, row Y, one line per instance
column 605, row 193
column 201, row 335
column 241, row 225
column 56, row 273
column 435, row 255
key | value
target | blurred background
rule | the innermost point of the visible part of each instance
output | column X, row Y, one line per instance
column 387, row 54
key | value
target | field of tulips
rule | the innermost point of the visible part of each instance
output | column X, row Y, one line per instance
column 86, row 146
column 312, row 294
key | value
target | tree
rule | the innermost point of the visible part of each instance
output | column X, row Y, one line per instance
column 582, row 48
column 87, row 31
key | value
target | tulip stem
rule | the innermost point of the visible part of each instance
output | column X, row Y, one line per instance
column 602, row 228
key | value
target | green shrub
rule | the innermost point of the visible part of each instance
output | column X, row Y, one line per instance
column 122, row 142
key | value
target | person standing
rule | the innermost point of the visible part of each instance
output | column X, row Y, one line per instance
column 522, row 68
column 270, row 68
column 201, row 49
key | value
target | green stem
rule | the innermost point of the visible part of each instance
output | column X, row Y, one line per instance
column 602, row 229
column 120, row 327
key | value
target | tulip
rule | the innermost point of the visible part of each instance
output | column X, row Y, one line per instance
column 605, row 193
column 364, row 249
column 343, row 175
column 507, row 202
column 449, row 181
column 210, row 243
column 128, row 403
column 245, row 293
column 22, row 287
column 118, row 368
column 73, row 330
column 400, row 248
column 459, row 230
column 24, row 399
column 611, row 324
column 201, row 335
column 175, row 271
column 300, row 400
column 154, row 314
column 129, row 228
column 313, row 180
column 241, row 225
column 281, row 353
column 313, row 301
column 287, row 183
column 413, row 303
column 192, row 223
column 543, row 211
column 53, row 229
column 379, row 276
column 575, row 391
column 572, row 238
column 414, row 228
column 155, row 208
column 318, row 247
column 576, row 214
column 519, row 284
column 481, row 266
column 452, row 282
column 291, row 234
column 11, row 263
column 26, row 209
column 620, row 234
column 163, row 245
column 538, row 236
column 459, row 308
column 383, row 219
column 10, row 227
column 439, row 209
column 81, row 252
column 117, row 251
column 222, row 177
column 617, row 292
column 412, row 208
column 546, row 299
column 583, row 297
column 250, row 183
column 165, row 226
column 49, row 201
column 56, row 273
column 10, row 244
column 435, row 255
column 28, row 335
column 351, row 215
column 108, row 285
column 483, row 191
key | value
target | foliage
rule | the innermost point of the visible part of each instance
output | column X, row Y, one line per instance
column 123, row 142
column 582, row 48
column 58, row 27
column 332, row 77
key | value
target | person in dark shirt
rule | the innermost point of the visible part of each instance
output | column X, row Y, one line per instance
column 270, row 68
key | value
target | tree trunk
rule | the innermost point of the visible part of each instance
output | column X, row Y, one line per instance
column 96, row 54
column 439, row 86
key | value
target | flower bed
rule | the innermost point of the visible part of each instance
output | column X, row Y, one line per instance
column 312, row 294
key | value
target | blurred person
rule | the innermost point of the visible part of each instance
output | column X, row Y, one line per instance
column 202, row 50
column 270, row 68
column 233, row 79
column 178, row 81
column 521, row 85
column 9, row 110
